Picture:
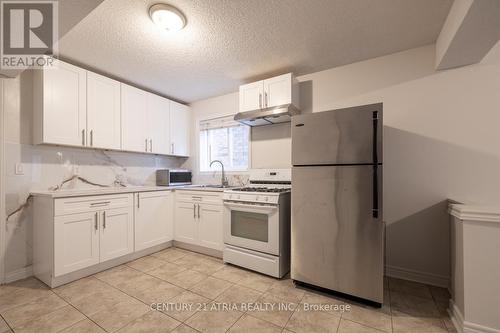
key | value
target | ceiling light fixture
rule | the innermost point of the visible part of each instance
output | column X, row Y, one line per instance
column 167, row 17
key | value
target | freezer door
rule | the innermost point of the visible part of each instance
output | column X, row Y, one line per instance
column 336, row 242
column 344, row 136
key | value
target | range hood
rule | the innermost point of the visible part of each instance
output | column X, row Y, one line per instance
column 268, row 116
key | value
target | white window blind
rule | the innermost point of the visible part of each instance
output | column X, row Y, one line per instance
column 226, row 140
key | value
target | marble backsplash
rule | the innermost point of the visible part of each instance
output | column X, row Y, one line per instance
column 47, row 166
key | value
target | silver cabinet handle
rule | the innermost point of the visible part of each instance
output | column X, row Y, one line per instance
column 151, row 145
column 194, row 211
column 260, row 101
column 198, row 211
column 173, row 148
column 91, row 138
column 102, row 203
column 146, row 143
column 138, row 199
column 104, row 219
column 83, row 137
column 95, row 221
column 265, row 99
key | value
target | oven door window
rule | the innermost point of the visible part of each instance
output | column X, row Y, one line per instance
column 249, row 225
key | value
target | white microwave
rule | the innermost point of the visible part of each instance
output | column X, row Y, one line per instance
column 173, row 177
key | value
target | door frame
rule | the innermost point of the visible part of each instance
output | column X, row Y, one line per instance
column 2, row 185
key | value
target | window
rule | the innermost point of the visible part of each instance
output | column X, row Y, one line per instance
column 226, row 140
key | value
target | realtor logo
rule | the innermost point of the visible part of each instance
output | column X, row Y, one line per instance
column 29, row 33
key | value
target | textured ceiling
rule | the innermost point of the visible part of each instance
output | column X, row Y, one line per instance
column 229, row 42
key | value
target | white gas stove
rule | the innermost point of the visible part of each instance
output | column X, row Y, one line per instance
column 257, row 222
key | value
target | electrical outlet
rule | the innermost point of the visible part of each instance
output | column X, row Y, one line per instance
column 19, row 170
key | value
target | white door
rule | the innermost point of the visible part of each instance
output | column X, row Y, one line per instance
column 64, row 105
column 117, row 233
column 159, row 124
column 134, row 119
column 210, row 226
column 278, row 90
column 251, row 96
column 153, row 219
column 76, row 242
column 180, row 117
column 103, row 112
column 186, row 222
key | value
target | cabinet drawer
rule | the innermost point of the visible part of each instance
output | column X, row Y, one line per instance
column 66, row 206
column 199, row 196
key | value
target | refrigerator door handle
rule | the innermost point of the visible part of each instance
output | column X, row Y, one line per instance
column 375, row 137
column 375, row 165
column 375, row 192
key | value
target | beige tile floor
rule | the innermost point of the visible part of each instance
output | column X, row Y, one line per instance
column 201, row 294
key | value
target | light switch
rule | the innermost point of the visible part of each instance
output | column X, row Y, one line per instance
column 19, row 169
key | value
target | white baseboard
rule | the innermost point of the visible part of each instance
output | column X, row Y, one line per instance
column 462, row 326
column 19, row 274
column 417, row 276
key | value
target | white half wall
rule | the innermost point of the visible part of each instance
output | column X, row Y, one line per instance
column 441, row 141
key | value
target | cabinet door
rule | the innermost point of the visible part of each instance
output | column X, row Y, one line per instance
column 185, row 222
column 210, row 226
column 64, row 105
column 76, row 242
column 134, row 119
column 153, row 219
column 180, row 117
column 251, row 96
column 117, row 233
column 103, row 112
column 278, row 90
column 159, row 124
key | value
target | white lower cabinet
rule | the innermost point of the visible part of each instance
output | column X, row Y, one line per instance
column 116, row 233
column 153, row 219
column 198, row 218
column 77, row 233
column 185, row 222
column 77, row 236
column 76, row 242
column 210, row 226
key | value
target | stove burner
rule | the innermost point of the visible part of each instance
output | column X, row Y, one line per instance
column 262, row 189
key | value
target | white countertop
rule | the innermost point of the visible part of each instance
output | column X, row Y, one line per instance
column 65, row 193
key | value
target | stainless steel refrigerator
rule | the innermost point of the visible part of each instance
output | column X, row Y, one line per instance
column 337, row 218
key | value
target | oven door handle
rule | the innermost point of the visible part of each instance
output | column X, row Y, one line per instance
column 267, row 208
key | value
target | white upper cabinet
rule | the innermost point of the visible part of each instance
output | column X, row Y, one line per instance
column 76, row 107
column 159, row 124
column 180, row 117
column 251, row 96
column 268, row 93
column 60, row 114
column 103, row 112
column 135, row 122
column 278, row 90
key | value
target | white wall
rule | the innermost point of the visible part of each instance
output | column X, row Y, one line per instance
column 46, row 166
column 440, row 141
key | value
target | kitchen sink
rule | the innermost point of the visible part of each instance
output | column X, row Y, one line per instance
column 216, row 186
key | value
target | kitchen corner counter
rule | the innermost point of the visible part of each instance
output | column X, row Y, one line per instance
column 66, row 193
column 99, row 191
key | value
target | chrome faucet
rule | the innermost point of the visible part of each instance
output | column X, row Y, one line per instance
column 224, row 182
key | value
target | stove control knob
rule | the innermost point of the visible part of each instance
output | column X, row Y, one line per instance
column 256, row 198
column 266, row 198
column 238, row 196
